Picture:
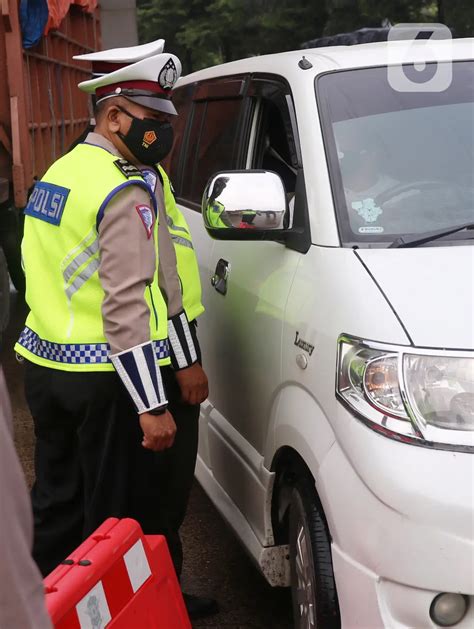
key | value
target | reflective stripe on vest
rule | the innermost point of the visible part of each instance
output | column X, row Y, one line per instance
column 86, row 255
column 83, row 252
column 182, row 241
column 174, row 227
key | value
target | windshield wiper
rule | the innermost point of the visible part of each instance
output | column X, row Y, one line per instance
column 428, row 237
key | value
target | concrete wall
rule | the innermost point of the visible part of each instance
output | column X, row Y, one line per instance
column 118, row 23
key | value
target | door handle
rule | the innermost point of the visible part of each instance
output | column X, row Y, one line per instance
column 221, row 274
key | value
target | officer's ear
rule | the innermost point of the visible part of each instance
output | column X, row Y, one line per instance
column 113, row 119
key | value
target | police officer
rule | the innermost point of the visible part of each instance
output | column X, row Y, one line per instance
column 216, row 214
column 184, row 379
column 98, row 324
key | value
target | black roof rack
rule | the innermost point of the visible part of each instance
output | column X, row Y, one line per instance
column 360, row 36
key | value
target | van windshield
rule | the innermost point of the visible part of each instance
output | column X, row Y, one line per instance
column 401, row 162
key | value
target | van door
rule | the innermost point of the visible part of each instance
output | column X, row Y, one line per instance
column 207, row 130
column 245, row 321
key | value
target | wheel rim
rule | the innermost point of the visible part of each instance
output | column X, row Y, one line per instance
column 304, row 577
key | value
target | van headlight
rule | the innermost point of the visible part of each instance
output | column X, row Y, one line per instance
column 412, row 395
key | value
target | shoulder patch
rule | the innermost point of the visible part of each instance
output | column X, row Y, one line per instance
column 147, row 217
column 127, row 169
column 47, row 202
column 150, row 178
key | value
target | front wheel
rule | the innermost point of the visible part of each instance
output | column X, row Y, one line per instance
column 312, row 579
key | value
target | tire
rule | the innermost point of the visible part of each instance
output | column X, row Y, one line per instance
column 313, row 587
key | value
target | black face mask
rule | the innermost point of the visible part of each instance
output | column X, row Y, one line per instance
column 148, row 140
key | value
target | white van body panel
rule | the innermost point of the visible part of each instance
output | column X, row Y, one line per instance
column 244, row 366
column 241, row 474
column 428, row 288
column 319, row 315
column 290, row 428
column 272, row 561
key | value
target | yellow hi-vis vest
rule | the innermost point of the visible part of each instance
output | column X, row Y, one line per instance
column 60, row 250
column 214, row 212
column 188, row 269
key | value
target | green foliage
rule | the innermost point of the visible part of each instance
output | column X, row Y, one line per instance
column 460, row 15
column 207, row 32
column 348, row 15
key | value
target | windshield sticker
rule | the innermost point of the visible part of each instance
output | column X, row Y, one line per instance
column 367, row 210
column 371, row 229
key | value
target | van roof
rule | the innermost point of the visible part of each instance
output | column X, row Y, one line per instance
column 343, row 57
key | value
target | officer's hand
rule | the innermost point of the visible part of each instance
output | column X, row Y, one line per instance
column 193, row 384
column 158, row 431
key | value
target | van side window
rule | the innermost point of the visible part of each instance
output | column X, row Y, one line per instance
column 211, row 144
column 216, row 150
column 272, row 147
column 190, row 162
column 182, row 101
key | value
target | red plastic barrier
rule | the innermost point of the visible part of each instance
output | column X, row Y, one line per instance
column 118, row 578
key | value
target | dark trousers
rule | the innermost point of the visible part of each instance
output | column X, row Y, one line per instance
column 90, row 464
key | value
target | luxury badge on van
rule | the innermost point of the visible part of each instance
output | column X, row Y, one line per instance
column 307, row 347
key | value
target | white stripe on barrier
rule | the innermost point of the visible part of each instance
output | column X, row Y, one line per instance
column 93, row 610
column 137, row 565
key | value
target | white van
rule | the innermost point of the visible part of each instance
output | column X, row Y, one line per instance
column 338, row 337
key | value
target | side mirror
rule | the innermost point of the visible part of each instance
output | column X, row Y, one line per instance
column 245, row 205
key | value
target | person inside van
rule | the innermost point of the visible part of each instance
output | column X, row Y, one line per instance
column 276, row 154
column 364, row 179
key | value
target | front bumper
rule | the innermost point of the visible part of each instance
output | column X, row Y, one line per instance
column 402, row 523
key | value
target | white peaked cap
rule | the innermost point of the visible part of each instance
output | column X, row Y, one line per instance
column 147, row 82
column 131, row 54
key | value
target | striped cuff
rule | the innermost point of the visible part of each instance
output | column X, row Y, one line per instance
column 182, row 349
column 141, row 376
